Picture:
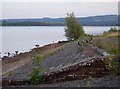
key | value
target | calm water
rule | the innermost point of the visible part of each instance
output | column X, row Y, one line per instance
column 25, row 38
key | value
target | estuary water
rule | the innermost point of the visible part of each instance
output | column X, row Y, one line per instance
column 25, row 38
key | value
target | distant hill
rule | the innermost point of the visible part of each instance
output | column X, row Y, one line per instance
column 103, row 20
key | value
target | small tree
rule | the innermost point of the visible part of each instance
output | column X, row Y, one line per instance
column 74, row 29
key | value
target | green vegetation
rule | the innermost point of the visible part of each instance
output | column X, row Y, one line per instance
column 35, row 76
column 104, row 20
column 111, row 30
column 89, row 82
column 112, row 65
column 113, row 50
column 108, row 41
column 5, row 23
column 9, row 75
column 74, row 29
column 108, row 44
column 99, row 45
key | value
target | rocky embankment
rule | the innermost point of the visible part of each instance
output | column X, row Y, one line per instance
column 93, row 71
column 73, row 62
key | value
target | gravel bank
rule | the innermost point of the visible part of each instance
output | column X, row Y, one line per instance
column 64, row 57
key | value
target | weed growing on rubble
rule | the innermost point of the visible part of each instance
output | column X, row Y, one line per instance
column 88, row 83
column 80, row 49
column 9, row 75
column 36, row 75
column 112, row 65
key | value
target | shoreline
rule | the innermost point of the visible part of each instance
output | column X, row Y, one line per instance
column 27, row 51
column 12, row 53
column 65, row 63
column 24, row 58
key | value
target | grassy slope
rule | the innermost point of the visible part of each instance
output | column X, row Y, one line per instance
column 108, row 42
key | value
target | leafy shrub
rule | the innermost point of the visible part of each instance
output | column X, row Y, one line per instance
column 36, row 77
column 36, row 74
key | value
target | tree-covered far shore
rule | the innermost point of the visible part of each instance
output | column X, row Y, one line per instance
column 104, row 20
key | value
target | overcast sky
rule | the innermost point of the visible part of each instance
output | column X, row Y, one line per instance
column 56, row 9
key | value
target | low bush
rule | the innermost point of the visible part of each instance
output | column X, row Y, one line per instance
column 36, row 77
column 36, row 74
